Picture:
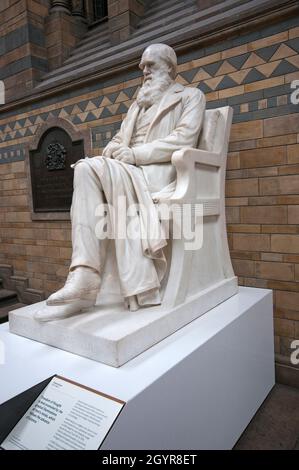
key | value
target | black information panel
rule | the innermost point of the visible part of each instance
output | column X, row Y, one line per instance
column 51, row 174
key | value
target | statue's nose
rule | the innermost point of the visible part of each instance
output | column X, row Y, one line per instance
column 146, row 71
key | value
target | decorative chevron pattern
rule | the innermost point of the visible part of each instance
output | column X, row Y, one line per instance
column 208, row 75
column 268, row 62
column 84, row 111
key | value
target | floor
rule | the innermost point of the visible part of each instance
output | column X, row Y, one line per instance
column 276, row 424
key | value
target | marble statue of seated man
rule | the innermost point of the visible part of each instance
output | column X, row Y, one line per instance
column 135, row 166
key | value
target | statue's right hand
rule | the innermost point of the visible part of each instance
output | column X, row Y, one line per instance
column 125, row 155
column 110, row 149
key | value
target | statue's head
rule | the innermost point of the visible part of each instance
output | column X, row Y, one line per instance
column 159, row 58
column 158, row 63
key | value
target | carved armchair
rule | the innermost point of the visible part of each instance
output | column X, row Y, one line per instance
column 206, row 273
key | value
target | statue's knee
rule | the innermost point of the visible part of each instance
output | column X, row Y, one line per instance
column 99, row 160
column 81, row 170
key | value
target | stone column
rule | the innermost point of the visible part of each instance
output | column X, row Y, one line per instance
column 28, row 47
column 79, row 15
column 78, row 8
column 123, row 17
column 61, row 32
column 60, row 5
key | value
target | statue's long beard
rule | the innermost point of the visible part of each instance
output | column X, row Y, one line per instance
column 152, row 90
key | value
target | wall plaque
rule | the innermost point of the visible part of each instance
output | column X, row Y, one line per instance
column 51, row 174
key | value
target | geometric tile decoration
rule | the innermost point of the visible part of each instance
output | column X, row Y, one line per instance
column 252, row 61
column 267, row 52
column 239, row 60
column 282, row 52
column 253, row 76
column 267, row 69
column 283, row 68
column 294, row 44
column 264, row 63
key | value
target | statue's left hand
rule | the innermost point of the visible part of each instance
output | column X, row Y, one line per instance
column 125, row 154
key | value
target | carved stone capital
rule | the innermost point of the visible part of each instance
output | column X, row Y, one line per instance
column 78, row 8
column 61, row 5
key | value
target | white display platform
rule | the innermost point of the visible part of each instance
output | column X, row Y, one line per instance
column 197, row 389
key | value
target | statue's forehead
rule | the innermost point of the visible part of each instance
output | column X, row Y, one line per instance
column 150, row 54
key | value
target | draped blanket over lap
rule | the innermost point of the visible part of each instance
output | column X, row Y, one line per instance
column 140, row 259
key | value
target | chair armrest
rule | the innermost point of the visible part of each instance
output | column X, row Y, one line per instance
column 184, row 156
column 184, row 161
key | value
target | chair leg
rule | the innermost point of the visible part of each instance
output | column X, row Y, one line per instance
column 178, row 279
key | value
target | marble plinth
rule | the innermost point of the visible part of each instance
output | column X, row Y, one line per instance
column 111, row 334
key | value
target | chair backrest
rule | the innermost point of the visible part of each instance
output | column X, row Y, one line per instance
column 216, row 128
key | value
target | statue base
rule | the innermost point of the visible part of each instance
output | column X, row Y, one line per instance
column 111, row 334
column 197, row 389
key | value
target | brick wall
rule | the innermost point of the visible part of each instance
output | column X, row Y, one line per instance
column 22, row 45
column 252, row 73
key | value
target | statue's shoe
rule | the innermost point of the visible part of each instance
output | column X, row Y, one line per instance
column 59, row 312
column 132, row 303
column 81, row 284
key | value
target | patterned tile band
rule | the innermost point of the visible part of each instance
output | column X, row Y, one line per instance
column 264, row 67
